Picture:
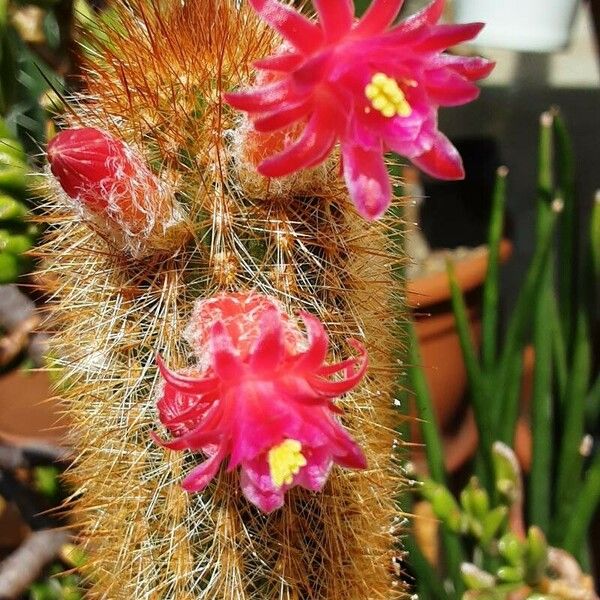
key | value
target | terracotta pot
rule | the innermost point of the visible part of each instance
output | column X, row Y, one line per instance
column 429, row 298
column 29, row 414
column 28, row 410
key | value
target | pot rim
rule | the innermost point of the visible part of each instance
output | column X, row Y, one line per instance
column 470, row 272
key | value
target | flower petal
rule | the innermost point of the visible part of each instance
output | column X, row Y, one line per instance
column 352, row 455
column 258, row 488
column 185, row 383
column 295, row 28
column 260, row 99
column 225, row 359
column 193, row 440
column 314, row 475
column 311, row 148
column 442, row 37
column 269, row 349
column 282, row 118
column 447, row 88
column 312, row 72
column 431, row 14
column 202, row 475
column 354, row 373
column 312, row 359
column 367, row 180
column 285, row 62
column 443, row 160
column 416, row 25
column 471, row 67
column 379, row 16
column 259, row 420
column 335, row 16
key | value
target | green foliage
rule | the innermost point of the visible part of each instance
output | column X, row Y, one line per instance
column 554, row 314
column 46, row 481
column 16, row 234
column 58, row 585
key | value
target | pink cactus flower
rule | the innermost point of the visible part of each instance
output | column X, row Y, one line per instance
column 369, row 84
column 261, row 397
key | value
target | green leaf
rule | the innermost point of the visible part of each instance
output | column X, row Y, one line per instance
column 46, row 481
column 512, row 549
column 493, row 523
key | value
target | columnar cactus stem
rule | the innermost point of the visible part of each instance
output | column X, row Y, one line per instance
column 156, row 81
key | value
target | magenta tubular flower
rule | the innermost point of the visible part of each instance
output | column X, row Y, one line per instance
column 368, row 84
column 260, row 397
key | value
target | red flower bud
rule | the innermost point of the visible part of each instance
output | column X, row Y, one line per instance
column 113, row 186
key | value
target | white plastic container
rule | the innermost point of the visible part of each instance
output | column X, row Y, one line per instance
column 524, row 25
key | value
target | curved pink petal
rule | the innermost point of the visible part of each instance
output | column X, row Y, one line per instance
column 329, row 370
column 259, row 420
column 313, row 357
column 416, row 26
column 311, row 72
column 193, row 440
column 442, row 161
column 203, row 474
column 314, row 475
column 256, row 484
column 185, row 383
column 269, row 350
column 282, row 118
column 352, row 455
column 379, row 16
column 284, row 62
column 197, row 408
column 431, row 14
column 264, row 98
column 333, row 389
column 295, row 28
column 442, row 37
column 471, row 67
column 225, row 360
column 336, row 17
column 367, row 180
column 448, row 88
column 312, row 147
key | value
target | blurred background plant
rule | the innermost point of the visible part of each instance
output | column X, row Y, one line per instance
column 511, row 536
column 38, row 63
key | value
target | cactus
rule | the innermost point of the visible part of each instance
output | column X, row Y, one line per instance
column 154, row 77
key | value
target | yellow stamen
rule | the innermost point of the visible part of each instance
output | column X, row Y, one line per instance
column 387, row 97
column 285, row 461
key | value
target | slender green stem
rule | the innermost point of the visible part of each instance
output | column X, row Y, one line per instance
column 506, row 405
column 540, row 488
column 491, row 286
column 559, row 352
column 570, row 461
column 583, row 510
column 506, row 398
column 429, row 429
column 469, row 352
column 433, row 446
column 427, row 579
column 569, row 234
